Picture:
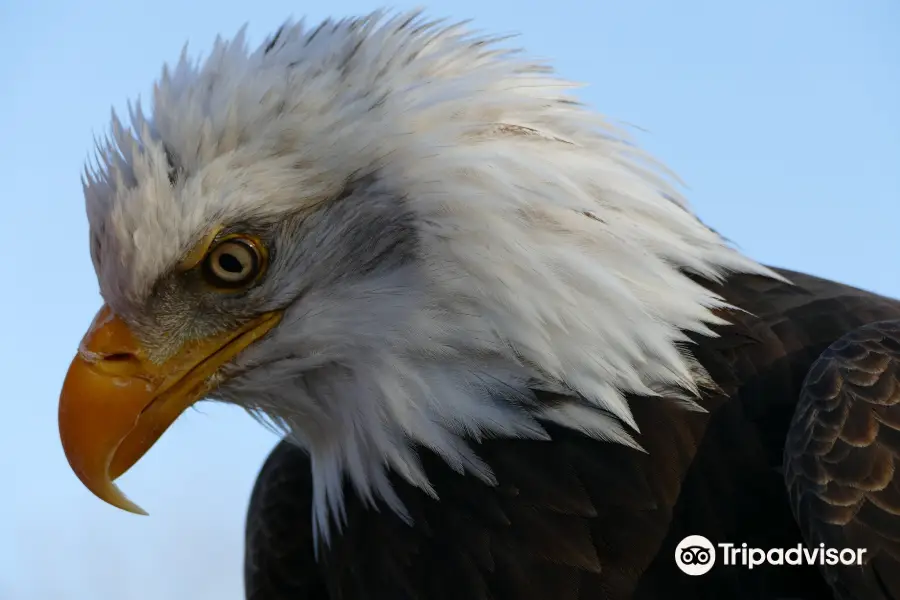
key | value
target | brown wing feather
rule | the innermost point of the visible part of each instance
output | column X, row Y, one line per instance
column 841, row 455
column 577, row 519
column 279, row 549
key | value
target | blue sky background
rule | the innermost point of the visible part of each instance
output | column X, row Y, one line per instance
column 783, row 118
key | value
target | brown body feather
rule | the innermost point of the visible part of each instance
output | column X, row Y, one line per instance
column 842, row 453
column 578, row 519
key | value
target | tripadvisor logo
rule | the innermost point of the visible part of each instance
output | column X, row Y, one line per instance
column 696, row 555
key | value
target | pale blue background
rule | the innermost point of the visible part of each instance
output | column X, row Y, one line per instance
column 783, row 117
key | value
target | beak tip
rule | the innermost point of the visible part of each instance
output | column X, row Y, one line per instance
column 104, row 489
column 116, row 498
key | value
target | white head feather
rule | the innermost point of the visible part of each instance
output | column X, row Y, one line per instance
column 549, row 252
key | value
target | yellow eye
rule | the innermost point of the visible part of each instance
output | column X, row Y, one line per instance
column 235, row 262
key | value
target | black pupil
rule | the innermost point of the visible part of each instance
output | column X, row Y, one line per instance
column 230, row 263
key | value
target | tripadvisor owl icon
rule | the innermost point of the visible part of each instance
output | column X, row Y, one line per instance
column 695, row 555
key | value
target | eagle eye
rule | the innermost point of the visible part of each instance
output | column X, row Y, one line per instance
column 234, row 262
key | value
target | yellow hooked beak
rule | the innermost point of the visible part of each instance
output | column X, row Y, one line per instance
column 115, row 403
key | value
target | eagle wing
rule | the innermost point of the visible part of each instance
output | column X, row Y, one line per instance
column 579, row 519
column 842, row 455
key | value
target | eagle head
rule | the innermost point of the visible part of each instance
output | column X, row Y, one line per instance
column 380, row 234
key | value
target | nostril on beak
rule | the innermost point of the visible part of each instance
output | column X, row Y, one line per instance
column 123, row 364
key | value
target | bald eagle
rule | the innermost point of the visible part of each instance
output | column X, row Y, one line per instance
column 508, row 360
